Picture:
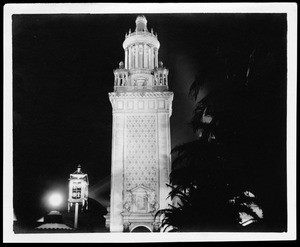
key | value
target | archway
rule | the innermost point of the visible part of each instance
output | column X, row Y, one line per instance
column 141, row 229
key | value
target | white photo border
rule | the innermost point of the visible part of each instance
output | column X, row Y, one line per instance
column 117, row 8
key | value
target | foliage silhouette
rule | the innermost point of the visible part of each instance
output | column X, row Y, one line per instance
column 210, row 175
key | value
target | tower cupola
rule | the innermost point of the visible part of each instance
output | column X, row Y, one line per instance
column 141, row 70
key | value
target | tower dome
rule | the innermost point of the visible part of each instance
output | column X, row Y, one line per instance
column 141, row 23
column 140, row 35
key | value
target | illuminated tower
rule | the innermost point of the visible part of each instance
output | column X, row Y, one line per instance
column 141, row 142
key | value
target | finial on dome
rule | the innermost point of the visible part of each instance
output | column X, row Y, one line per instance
column 141, row 23
column 78, row 169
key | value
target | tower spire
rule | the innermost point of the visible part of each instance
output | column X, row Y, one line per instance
column 141, row 24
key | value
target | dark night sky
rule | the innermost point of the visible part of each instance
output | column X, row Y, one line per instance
column 62, row 73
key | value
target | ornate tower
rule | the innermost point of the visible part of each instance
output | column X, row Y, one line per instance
column 141, row 143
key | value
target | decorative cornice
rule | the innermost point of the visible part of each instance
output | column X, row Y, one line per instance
column 141, row 33
column 127, row 95
column 141, row 37
column 141, row 71
column 120, row 71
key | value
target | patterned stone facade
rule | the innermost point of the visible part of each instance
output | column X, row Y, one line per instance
column 142, row 107
column 141, row 162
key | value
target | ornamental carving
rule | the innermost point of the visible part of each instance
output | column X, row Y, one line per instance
column 153, row 204
column 127, row 201
column 140, row 199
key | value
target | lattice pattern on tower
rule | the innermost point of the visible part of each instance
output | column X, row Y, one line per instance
column 141, row 158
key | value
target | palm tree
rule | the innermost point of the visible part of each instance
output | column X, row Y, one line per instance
column 241, row 129
column 209, row 176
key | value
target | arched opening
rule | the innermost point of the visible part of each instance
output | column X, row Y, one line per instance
column 141, row 229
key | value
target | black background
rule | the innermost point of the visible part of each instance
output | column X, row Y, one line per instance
column 62, row 73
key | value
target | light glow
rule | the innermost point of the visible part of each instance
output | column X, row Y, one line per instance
column 55, row 199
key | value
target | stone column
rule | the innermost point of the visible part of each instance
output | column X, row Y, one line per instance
column 136, row 56
column 130, row 58
column 116, row 80
column 149, row 58
column 153, row 57
column 166, row 79
column 133, row 56
column 145, row 56
column 140, row 56
column 126, row 58
column 156, row 57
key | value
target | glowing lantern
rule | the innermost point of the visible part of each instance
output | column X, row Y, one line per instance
column 78, row 188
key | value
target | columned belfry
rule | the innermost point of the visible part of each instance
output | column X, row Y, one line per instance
column 141, row 142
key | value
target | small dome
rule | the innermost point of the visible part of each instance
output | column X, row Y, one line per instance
column 53, row 217
column 141, row 23
column 54, row 213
